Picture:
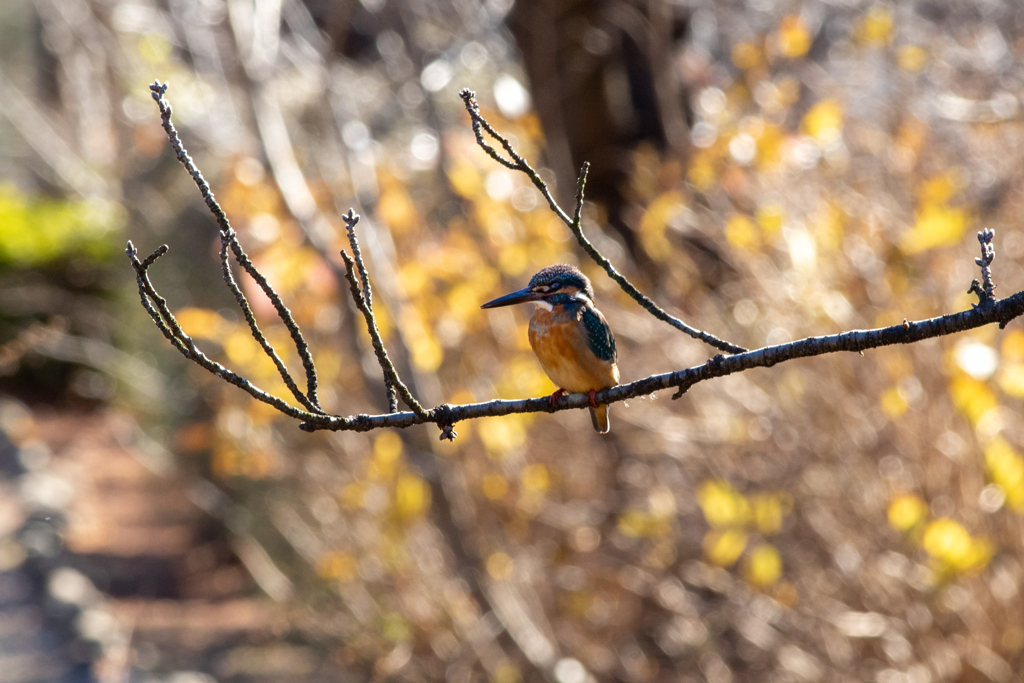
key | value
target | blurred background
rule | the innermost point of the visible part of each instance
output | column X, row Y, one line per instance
column 766, row 169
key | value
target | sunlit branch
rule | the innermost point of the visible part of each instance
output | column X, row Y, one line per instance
column 364, row 304
column 351, row 218
column 989, row 310
column 1001, row 312
column 243, row 304
column 161, row 314
column 518, row 163
column 229, row 238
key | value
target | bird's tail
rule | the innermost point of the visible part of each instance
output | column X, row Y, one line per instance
column 599, row 416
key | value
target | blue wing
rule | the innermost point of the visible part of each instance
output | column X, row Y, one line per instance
column 599, row 335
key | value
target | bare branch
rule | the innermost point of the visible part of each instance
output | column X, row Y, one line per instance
column 243, row 304
column 989, row 310
column 158, row 310
column 1001, row 311
column 362, row 299
column 581, row 184
column 228, row 234
column 517, row 163
column 351, row 218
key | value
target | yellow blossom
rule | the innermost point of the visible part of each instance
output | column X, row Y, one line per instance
column 794, row 40
column 763, row 567
column 723, row 548
column 906, row 511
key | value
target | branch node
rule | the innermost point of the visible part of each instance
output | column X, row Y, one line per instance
column 443, row 417
column 986, row 288
column 158, row 88
column 148, row 261
column 682, row 389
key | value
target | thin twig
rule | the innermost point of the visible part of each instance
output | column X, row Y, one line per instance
column 243, row 304
column 161, row 314
column 574, row 224
column 581, row 184
column 158, row 90
column 351, row 218
column 391, row 377
column 284, row 314
column 387, row 366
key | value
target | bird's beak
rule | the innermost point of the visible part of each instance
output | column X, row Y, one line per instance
column 517, row 297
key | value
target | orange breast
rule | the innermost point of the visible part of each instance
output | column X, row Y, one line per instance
column 560, row 342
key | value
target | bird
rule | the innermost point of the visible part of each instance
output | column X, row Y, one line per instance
column 571, row 338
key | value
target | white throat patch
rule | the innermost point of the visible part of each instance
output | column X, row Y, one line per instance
column 544, row 305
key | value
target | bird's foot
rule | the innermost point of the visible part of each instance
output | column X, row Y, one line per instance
column 593, row 403
column 555, row 396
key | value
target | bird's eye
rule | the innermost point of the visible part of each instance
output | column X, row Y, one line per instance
column 553, row 286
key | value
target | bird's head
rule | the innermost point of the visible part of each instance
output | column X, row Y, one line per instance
column 555, row 285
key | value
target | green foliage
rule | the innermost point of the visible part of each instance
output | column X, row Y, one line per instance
column 34, row 232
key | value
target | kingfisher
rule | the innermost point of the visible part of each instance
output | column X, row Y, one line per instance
column 570, row 336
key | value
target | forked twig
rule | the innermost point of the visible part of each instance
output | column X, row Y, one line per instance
column 364, row 303
column 243, row 304
column 518, row 163
column 158, row 310
column 230, row 239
